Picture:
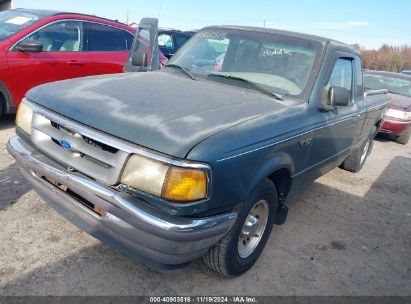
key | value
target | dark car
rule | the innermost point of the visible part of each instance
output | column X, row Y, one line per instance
column 38, row 46
column 166, row 42
column 171, row 40
column 198, row 159
column 397, row 121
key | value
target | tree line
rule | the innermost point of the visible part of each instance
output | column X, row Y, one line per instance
column 386, row 58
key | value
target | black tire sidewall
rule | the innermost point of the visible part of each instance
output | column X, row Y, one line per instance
column 370, row 141
column 403, row 139
column 235, row 264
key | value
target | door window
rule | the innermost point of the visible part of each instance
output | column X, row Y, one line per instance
column 342, row 75
column 104, row 38
column 65, row 36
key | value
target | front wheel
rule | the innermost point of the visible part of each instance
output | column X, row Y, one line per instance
column 242, row 245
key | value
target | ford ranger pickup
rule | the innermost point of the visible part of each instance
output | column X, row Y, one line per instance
column 198, row 159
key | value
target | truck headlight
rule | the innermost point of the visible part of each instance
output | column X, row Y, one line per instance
column 24, row 117
column 163, row 180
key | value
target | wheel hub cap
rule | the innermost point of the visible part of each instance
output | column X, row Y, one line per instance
column 253, row 229
column 365, row 151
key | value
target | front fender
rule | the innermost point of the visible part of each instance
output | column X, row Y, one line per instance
column 236, row 179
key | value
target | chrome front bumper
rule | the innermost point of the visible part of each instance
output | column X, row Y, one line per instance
column 124, row 222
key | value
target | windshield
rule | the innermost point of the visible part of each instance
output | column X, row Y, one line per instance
column 281, row 64
column 12, row 22
column 397, row 85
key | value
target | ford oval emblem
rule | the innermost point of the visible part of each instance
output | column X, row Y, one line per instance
column 65, row 144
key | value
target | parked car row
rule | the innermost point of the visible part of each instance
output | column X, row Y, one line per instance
column 38, row 46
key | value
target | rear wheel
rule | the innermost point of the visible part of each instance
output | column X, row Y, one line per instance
column 242, row 245
column 356, row 160
column 403, row 139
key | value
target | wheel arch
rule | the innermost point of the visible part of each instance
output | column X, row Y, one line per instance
column 282, row 180
column 6, row 100
column 279, row 171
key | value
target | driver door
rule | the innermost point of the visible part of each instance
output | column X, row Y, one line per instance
column 144, row 54
column 62, row 57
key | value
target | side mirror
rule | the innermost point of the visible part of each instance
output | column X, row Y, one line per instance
column 139, row 59
column 30, row 46
column 339, row 96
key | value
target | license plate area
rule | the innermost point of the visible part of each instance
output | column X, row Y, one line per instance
column 79, row 199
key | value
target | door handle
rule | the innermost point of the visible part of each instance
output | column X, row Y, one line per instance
column 76, row 62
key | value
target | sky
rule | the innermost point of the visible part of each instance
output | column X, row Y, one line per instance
column 368, row 23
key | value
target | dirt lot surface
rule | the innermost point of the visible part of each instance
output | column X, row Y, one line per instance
column 348, row 234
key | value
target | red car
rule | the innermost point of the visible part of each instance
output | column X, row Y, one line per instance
column 397, row 120
column 38, row 46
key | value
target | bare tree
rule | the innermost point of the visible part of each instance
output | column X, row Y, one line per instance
column 386, row 58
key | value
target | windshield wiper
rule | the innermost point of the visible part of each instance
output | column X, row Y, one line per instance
column 184, row 69
column 250, row 84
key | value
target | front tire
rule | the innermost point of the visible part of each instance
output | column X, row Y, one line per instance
column 242, row 245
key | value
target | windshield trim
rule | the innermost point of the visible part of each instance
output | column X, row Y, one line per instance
column 318, row 46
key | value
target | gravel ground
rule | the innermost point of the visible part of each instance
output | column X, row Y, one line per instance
column 348, row 234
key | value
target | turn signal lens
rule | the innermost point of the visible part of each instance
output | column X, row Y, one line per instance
column 24, row 117
column 184, row 184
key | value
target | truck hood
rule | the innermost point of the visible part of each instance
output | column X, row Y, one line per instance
column 158, row 110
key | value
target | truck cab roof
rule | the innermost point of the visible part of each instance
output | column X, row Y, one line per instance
column 319, row 39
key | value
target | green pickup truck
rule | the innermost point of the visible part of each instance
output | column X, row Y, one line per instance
column 198, row 159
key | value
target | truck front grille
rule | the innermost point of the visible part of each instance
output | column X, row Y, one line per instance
column 85, row 154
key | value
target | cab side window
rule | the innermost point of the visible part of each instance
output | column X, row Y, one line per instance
column 342, row 74
column 65, row 36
